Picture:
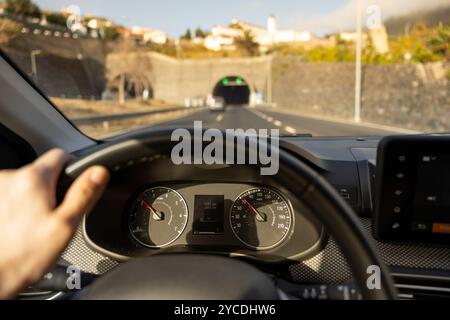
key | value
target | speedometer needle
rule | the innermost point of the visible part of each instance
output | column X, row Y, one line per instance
column 157, row 215
column 259, row 215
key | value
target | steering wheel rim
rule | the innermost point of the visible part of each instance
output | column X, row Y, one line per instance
column 317, row 195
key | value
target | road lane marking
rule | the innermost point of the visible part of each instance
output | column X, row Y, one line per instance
column 362, row 124
column 290, row 130
column 219, row 118
column 278, row 123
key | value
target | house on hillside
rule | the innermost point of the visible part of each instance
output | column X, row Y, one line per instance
column 147, row 35
column 223, row 38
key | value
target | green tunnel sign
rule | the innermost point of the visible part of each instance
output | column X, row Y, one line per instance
column 232, row 81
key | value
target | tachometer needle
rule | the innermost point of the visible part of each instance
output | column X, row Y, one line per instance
column 157, row 215
column 260, row 216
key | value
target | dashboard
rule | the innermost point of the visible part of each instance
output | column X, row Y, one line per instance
column 165, row 209
column 208, row 200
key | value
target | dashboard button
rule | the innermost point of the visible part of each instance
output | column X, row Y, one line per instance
column 422, row 227
column 396, row 226
column 402, row 158
column 400, row 175
column 397, row 209
column 349, row 193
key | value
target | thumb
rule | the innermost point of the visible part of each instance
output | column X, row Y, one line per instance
column 83, row 194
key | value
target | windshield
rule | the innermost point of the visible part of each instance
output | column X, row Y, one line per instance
column 323, row 68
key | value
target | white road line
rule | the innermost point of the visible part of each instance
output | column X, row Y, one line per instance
column 219, row 118
column 278, row 123
column 290, row 130
column 362, row 124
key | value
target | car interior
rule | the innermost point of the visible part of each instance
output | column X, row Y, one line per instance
column 337, row 207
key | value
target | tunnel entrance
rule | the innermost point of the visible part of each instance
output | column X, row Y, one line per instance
column 234, row 90
column 131, row 87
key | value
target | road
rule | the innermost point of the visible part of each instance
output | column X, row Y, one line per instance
column 288, row 124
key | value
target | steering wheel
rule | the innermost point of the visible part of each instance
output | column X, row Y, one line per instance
column 197, row 276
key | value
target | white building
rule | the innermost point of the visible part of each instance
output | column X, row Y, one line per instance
column 222, row 38
column 149, row 35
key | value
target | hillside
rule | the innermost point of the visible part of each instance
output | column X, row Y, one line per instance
column 398, row 25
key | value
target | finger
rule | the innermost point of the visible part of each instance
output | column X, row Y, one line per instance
column 50, row 165
column 83, row 194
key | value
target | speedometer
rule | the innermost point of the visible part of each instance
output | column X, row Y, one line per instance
column 261, row 218
column 157, row 217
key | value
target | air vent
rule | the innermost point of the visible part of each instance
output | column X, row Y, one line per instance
column 415, row 292
column 422, row 286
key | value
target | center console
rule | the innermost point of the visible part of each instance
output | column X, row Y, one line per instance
column 412, row 195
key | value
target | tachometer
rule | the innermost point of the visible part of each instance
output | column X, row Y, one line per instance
column 158, row 217
column 261, row 218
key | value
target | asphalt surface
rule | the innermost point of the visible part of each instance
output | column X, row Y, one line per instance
column 247, row 118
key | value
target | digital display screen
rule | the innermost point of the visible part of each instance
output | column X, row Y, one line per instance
column 412, row 195
column 431, row 210
column 208, row 214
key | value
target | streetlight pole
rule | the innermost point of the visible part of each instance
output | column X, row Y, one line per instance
column 358, row 61
column 33, row 55
column 269, row 81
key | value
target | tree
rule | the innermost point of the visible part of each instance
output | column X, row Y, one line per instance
column 110, row 33
column 246, row 42
column 9, row 29
column 199, row 33
column 23, row 8
column 57, row 18
column 187, row 35
column 439, row 43
column 129, row 70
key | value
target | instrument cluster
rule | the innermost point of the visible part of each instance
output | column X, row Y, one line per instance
column 254, row 220
column 256, row 217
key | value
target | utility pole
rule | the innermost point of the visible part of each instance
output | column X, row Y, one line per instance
column 358, row 61
column 33, row 55
column 269, row 81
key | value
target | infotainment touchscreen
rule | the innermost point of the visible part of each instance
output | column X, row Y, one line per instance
column 431, row 210
column 412, row 197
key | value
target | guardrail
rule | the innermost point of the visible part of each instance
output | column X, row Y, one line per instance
column 121, row 116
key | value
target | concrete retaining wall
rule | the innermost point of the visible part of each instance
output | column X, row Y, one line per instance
column 413, row 96
column 66, row 67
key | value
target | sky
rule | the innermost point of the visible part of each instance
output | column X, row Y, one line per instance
column 175, row 16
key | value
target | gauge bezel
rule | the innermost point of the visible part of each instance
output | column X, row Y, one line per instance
column 182, row 229
column 285, row 237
